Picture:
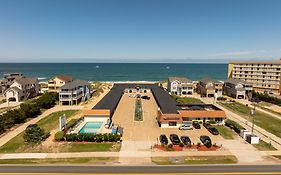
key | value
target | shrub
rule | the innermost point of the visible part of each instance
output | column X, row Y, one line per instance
column 170, row 145
column 189, row 145
column 71, row 137
column 212, row 122
column 47, row 100
column 35, row 134
column 59, row 136
column 181, row 144
column 72, row 123
column 198, row 144
column 267, row 98
column 30, row 110
column 208, row 144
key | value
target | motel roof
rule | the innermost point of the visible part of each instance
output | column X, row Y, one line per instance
column 111, row 100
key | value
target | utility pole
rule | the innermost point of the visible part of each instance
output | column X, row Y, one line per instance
column 253, row 112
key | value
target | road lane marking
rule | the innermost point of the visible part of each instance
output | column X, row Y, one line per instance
column 213, row 173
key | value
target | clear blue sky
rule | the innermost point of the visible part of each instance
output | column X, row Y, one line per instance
column 139, row 30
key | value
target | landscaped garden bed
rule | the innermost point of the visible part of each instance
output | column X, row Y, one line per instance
column 193, row 147
column 138, row 110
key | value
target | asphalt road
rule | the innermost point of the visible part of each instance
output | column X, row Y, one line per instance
column 214, row 169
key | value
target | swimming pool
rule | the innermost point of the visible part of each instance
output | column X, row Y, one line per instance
column 91, row 127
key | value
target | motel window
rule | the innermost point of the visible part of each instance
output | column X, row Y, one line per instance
column 172, row 123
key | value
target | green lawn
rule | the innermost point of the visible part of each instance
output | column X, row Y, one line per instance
column 225, row 132
column 49, row 123
column 186, row 100
column 269, row 110
column 194, row 160
column 263, row 120
column 264, row 146
column 90, row 160
column 88, row 147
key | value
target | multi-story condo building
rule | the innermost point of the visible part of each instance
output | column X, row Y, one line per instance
column 265, row 76
column 58, row 81
column 239, row 89
column 22, row 88
column 180, row 86
column 74, row 92
column 210, row 88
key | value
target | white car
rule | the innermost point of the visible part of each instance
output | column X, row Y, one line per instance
column 186, row 127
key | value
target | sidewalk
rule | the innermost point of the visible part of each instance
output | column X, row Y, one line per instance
column 132, row 154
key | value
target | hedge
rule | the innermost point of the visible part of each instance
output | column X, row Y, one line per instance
column 29, row 109
column 87, row 137
column 72, row 123
column 267, row 98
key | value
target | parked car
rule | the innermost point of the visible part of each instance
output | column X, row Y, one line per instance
column 206, row 140
column 175, row 139
column 207, row 125
column 185, row 140
column 185, row 127
column 213, row 130
column 163, row 139
column 221, row 99
column 196, row 125
column 145, row 97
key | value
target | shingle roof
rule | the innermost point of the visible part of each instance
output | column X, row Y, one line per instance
column 64, row 77
column 207, row 80
column 181, row 79
column 236, row 81
column 74, row 84
column 25, row 80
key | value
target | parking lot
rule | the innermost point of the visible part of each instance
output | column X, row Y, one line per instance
column 148, row 129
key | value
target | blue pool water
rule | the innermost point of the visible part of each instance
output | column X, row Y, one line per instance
column 91, row 127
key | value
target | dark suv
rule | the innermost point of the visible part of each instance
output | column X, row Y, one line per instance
column 196, row 125
column 175, row 139
column 206, row 140
column 163, row 139
column 207, row 125
column 213, row 130
column 185, row 140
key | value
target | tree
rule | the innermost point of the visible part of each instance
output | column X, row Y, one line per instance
column 35, row 134
column 18, row 116
column 30, row 110
column 2, row 125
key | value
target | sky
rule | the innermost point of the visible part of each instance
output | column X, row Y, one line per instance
column 139, row 30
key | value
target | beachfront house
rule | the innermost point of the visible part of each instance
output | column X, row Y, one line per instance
column 210, row 88
column 238, row 89
column 180, row 86
column 74, row 92
column 21, row 89
column 57, row 82
column 8, row 80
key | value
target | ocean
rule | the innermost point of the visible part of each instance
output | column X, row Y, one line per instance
column 118, row 71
